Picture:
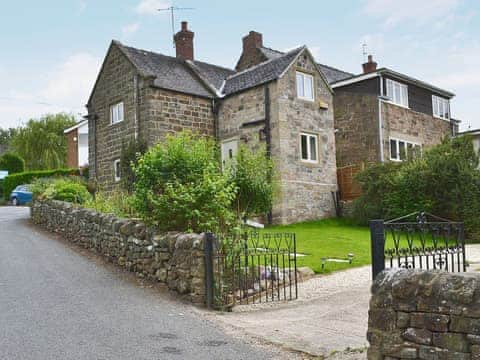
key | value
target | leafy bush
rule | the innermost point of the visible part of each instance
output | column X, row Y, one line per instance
column 179, row 185
column 12, row 181
column 11, row 162
column 252, row 173
column 445, row 181
column 131, row 151
column 118, row 203
column 64, row 189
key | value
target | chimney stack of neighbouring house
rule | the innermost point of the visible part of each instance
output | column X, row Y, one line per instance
column 251, row 43
column 370, row 65
column 184, row 42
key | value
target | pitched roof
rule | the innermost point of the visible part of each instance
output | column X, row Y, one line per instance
column 260, row 74
column 331, row 74
column 174, row 74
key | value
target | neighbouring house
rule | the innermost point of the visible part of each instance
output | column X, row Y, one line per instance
column 475, row 135
column 282, row 100
column 382, row 115
column 77, row 145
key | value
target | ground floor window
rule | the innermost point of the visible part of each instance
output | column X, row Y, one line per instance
column 309, row 147
column 401, row 150
column 116, row 169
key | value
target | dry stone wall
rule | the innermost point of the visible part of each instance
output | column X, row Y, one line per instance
column 428, row 315
column 176, row 259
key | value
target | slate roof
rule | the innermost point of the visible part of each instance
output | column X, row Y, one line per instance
column 331, row 74
column 261, row 73
column 174, row 74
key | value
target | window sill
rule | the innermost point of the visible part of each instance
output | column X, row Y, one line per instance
column 116, row 123
column 312, row 101
column 441, row 118
column 309, row 162
column 399, row 105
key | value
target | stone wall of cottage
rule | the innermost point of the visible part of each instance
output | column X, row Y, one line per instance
column 170, row 112
column 150, row 111
column 175, row 259
column 305, row 189
column 356, row 121
column 116, row 83
column 417, row 314
column 240, row 109
column 409, row 125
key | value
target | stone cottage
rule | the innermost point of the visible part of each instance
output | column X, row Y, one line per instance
column 281, row 99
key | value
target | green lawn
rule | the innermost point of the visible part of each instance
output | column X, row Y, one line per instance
column 329, row 238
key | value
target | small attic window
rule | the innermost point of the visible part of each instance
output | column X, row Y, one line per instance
column 305, row 89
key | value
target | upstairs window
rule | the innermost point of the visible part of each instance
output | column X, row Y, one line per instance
column 401, row 150
column 305, row 86
column 441, row 107
column 309, row 147
column 116, row 113
column 397, row 92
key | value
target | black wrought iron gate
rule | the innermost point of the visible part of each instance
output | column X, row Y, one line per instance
column 250, row 267
column 418, row 240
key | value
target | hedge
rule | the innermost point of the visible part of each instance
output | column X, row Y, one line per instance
column 12, row 181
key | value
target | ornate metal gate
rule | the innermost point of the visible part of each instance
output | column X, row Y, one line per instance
column 250, row 267
column 418, row 240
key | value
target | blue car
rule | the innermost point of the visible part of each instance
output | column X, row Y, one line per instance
column 21, row 195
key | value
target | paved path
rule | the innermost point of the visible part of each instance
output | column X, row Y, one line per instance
column 58, row 304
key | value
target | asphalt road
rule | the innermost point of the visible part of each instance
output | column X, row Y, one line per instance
column 56, row 303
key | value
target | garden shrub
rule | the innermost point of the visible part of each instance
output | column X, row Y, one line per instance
column 11, row 162
column 63, row 189
column 252, row 173
column 12, row 181
column 131, row 151
column 179, row 186
column 444, row 181
column 119, row 204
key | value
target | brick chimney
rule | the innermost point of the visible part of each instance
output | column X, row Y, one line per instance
column 251, row 43
column 370, row 65
column 184, row 42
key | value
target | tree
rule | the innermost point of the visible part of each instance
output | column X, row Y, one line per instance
column 12, row 163
column 131, row 151
column 42, row 143
column 252, row 173
column 6, row 136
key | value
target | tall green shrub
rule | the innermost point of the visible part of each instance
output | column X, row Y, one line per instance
column 252, row 173
column 11, row 162
column 179, row 185
column 444, row 181
column 131, row 152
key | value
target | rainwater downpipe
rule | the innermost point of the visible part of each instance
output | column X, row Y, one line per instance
column 380, row 121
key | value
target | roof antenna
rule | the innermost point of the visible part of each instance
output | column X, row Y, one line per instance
column 365, row 53
column 172, row 10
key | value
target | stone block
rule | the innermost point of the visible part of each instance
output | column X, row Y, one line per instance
column 418, row 336
column 465, row 325
column 382, row 319
column 451, row 341
column 403, row 319
column 432, row 322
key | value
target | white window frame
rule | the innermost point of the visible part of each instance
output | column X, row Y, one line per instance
column 445, row 105
column 309, row 154
column 116, row 174
column 117, row 113
column 402, row 100
column 303, row 85
column 398, row 141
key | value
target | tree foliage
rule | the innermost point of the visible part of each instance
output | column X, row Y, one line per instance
column 131, row 152
column 6, row 136
column 179, row 185
column 252, row 173
column 11, row 162
column 42, row 142
column 444, row 181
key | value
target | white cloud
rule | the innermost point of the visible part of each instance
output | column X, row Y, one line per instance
column 67, row 89
column 82, row 6
column 71, row 81
column 394, row 12
column 150, row 7
column 130, row 29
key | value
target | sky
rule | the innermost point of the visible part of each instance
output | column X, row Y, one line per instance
column 51, row 51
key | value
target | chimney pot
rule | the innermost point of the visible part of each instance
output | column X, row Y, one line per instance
column 184, row 42
column 369, row 66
